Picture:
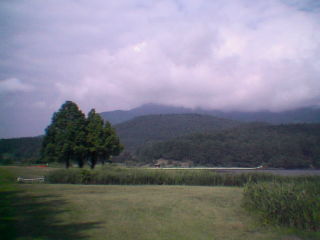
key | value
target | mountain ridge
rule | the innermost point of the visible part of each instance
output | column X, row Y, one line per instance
column 299, row 115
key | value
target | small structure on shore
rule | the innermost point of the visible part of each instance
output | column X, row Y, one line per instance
column 157, row 165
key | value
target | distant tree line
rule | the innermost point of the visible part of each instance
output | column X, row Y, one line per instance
column 20, row 150
column 281, row 146
column 211, row 142
column 73, row 137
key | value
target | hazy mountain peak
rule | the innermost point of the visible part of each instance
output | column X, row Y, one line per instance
column 301, row 115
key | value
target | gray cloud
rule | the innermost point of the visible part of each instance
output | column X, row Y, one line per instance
column 14, row 85
column 224, row 54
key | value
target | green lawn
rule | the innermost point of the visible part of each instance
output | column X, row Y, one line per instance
column 44, row 211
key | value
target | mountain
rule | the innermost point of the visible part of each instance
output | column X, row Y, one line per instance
column 301, row 115
column 120, row 116
column 249, row 145
column 150, row 128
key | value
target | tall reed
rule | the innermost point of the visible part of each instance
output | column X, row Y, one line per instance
column 121, row 175
column 293, row 204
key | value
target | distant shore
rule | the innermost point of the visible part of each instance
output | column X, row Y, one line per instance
column 284, row 172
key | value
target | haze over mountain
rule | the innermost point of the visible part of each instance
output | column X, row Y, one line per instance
column 300, row 115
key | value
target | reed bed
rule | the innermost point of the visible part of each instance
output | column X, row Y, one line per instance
column 294, row 204
column 140, row 176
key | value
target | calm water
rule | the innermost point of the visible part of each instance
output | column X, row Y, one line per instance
column 278, row 171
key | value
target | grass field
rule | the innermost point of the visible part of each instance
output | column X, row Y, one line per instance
column 53, row 211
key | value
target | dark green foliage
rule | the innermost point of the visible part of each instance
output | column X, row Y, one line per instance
column 287, row 146
column 112, row 146
column 294, row 204
column 141, row 130
column 95, row 137
column 102, row 141
column 71, row 137
column 65, row 137
column 15, row 150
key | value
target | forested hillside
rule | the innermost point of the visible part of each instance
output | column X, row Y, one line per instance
column 289, row 146
column 152, row 128
column 299, row 115
column 204, row 140
column 20, row 149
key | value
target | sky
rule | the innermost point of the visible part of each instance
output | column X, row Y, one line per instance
column 224, row 54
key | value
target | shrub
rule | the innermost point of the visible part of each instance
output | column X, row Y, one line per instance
column 293, row 204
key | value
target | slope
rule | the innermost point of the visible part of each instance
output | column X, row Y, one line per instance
column 288, row 146
column 19, row 149
column 136, row 132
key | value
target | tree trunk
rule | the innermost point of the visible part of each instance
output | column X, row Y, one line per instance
column 67, row 163
column 80, row 163
column 93, row 161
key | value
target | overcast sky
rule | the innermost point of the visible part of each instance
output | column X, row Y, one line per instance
column 222, row 54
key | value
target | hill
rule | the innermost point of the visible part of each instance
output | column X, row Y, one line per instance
column 300, row 115
column 120, row 116
column 287, row 146
column 20, row 149
column 144, row 129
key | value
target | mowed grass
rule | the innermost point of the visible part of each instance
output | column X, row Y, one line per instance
column 65, row 211
column 151, row 212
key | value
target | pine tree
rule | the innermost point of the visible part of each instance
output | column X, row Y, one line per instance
column 94, row 137
column 111, row 143
column 102, row 140
column 65, row 137
column 72, row 137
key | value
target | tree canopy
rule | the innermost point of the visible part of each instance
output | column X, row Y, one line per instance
column 73, row 137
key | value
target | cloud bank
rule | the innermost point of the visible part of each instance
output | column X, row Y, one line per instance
column 224, row 54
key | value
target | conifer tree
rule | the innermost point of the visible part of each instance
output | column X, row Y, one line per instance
column 94, row 137
column 65, row 137
column 72, row 137
column 111, row 143
column 102, row 140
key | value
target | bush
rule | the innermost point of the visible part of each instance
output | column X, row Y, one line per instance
column 293, row 204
